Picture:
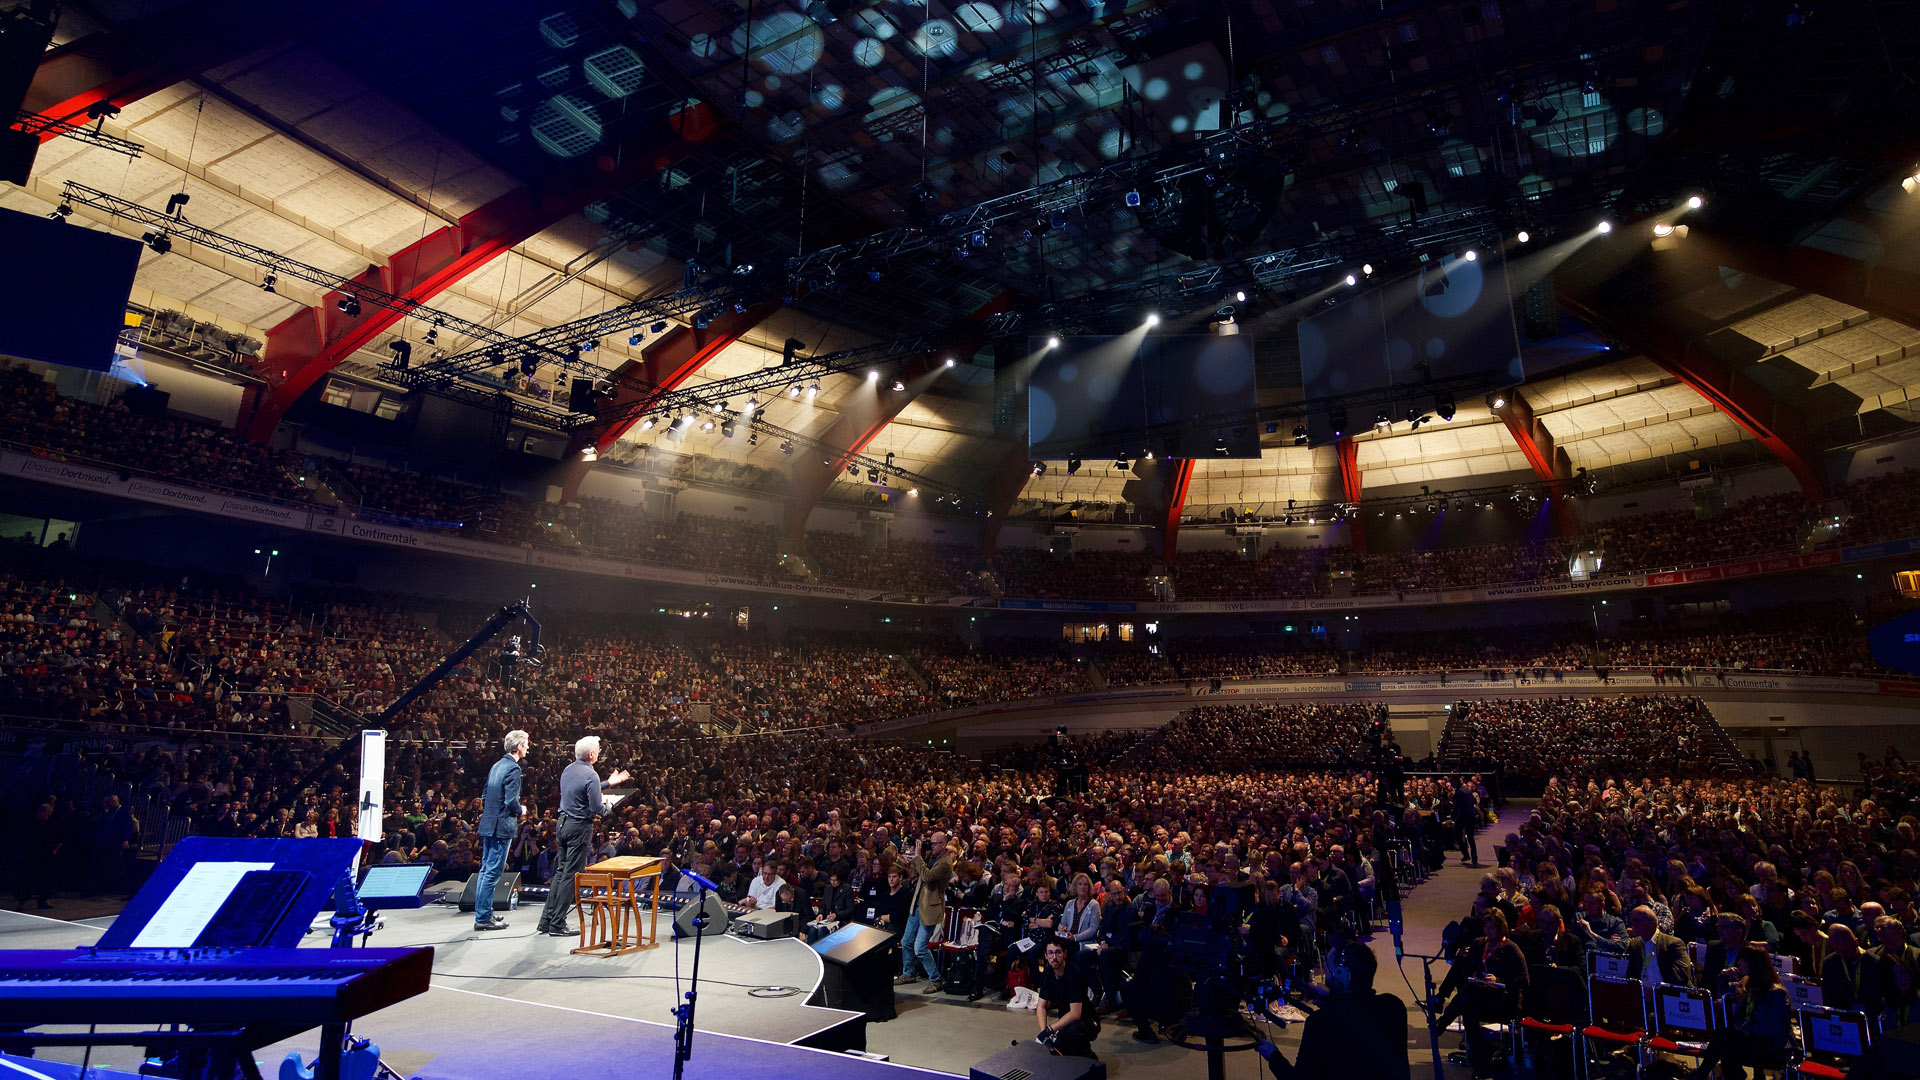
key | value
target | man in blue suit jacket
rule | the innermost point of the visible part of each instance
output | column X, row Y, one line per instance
column 500, row 812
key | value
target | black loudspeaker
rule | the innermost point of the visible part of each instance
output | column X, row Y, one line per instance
column 506, row 892
column 1031, row 1061
column 861, row 964
column 717, row 919
column 146, row 401
column 1899, row 1052
column 17, row 151
column 580, row 396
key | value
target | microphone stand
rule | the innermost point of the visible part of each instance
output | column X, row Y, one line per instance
column 1430, row 1008
column 683, row 1025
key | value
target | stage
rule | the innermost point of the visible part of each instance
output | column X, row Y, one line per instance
column 512, row 1003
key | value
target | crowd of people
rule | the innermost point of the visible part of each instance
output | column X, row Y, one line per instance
column 1538, row 738
column 45, row 422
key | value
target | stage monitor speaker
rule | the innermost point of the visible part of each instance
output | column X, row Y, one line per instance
column 1030, row 1061
column 861, row 964
column 1899, row 1051
column 768, row 924
column 506, row 892
column 717, row 919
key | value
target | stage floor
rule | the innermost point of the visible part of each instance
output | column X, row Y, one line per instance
column 506, row 999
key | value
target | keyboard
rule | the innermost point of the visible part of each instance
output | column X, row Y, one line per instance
column 206, row 986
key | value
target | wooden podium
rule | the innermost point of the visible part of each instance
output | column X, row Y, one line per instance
column 611, row 894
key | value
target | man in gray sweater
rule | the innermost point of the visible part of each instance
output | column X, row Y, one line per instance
column 580, row 804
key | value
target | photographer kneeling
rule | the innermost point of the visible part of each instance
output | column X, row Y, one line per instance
column 1355, row 1033
column 1064, row 991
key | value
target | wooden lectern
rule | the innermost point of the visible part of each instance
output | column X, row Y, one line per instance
column 611, row 894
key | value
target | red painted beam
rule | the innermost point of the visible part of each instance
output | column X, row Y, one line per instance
column 866, row 412
column 1550, row 463
column 306, row 346
column 1349, row 453
column 1178, row 476
column 1775, row 424
column 131, row 62
column 668, row 361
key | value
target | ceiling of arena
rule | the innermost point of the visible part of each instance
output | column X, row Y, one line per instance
column 1362, row 127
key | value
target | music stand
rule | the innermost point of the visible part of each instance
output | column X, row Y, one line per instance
column 183, row 898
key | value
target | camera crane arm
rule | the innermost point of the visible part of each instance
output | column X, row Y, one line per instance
column 499, row 621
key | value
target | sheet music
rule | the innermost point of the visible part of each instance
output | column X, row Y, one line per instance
column 193, row 903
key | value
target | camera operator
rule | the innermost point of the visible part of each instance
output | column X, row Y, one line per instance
column 1355, row 1033
column 1065, row 1011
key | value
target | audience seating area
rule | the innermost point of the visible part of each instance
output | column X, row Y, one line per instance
column 41, row 421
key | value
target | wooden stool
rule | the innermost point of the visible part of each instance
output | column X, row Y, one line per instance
column 599, row 911
column 625, row 879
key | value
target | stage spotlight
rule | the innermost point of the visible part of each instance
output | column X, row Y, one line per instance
column 726, row 428
column 1122, row 464
column 1133, row 198
column 1299, row 434
column 1351, row 280
column 873, row 475
column 913, row 492
column 64, row 210
column 1153, row 319
column 1604, row 228
column 402, row 353
column 898, row 386
column 719, row 407
column 1663, row 229
column 853, row 469
column 873, row 376
column 707, row 426
column 1381, row 419
column 1471, row 255
column 786, row 446
column 753, row 438
column 794, row 390
column 1220, row 447
column 1443, row 405
column 1073, row 465
column 1523, row 236
column 634, row 338
column 1053, row 343
column 349, row 306
column 267, row 283
column 657, row 328
column 1240, row 296
column 750, row 407
column 1695, row 202
column 433, row 335
column 646, row 423
column 1496, row 400
column 1146, row 455
column 589, row 453
column 1366, row 269
column 157, row 241
column 813, row 391
column 950, row 361
column 1039, row 468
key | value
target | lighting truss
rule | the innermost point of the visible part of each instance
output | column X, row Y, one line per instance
column 563, row 339
column 765, row 380
column 176, row 225
column 840, row 458
column 35, row 124
column 1203, row 285
column 1528, row 494
column 1161, row 437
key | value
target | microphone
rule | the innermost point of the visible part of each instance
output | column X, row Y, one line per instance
column 1394, row 924
column 710, row 886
